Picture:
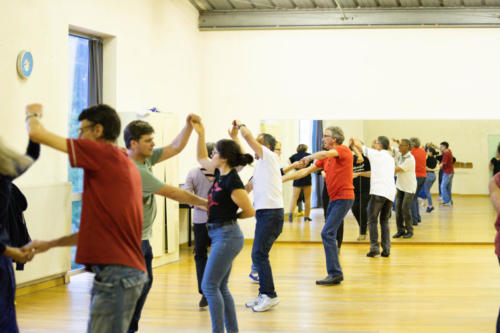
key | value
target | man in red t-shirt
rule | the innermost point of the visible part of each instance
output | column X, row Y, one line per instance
column 109, row 239
column 494, row 188
column 421, row 173
column 336, row 161
column 448, row 172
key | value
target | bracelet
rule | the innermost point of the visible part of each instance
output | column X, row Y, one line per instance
column 32, row 115
column 239, row 126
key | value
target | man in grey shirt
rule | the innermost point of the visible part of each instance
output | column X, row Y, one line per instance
column 199, row 181
column 139, row 140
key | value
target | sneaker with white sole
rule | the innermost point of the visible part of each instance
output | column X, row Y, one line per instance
column 254, row 302
column 254, row 277
column 265, row 303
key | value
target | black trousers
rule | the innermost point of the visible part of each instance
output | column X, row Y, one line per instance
column 360, row 209
column 201, row 244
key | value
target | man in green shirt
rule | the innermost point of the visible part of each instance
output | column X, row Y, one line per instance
column 139, row 140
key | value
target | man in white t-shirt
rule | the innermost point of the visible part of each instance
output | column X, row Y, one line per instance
column 269, row 213
column 382, row 192
column 406, row 185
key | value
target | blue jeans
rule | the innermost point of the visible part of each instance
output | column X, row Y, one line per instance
column 115, row 293
column 8, row 323
column 337, row 210
column 147, row 252
column 269, row 226
column 429, row 181
column 227, row 242
column 415, row 212
column 446, row 187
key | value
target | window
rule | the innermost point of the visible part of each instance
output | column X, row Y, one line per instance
column 79, row 80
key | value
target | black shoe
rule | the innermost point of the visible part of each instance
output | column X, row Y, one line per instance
column 372, row 254
column 415, row 223
column 203, row 302
column 307, row 219
column 290, row 217
column 408, row 235
column 398, row 234
column 385, row 254
column 330, row 280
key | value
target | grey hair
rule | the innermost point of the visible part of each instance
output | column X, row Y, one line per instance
column 11, row 162
column 415, row 142
column 337, row 133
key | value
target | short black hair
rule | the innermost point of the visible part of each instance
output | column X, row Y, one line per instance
column 302, row 148
column 135, row 130
column 444, row 143
column 106, row 116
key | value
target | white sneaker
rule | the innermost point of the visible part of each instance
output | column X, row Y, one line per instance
column 253, row 302
column 265, row 303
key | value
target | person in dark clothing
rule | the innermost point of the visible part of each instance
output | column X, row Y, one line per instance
column 301, row 185
column 495, row 162
column 361, row 182
column 12, row 166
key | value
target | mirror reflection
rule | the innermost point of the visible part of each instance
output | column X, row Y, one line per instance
column 463, row 217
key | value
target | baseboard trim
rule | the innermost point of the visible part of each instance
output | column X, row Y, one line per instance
column 41, row 284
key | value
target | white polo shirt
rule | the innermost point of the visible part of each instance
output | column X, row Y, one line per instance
column 407, row 180
column 267, row 182
column 382, row 173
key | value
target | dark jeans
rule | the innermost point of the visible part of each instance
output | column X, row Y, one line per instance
column 269, row 226
column 201, row 244
column 415, row 213
column 403, row 216
column 379, row 206
column 360, row 209
column 340, row 231
column 8, row 323
column 337, row 210
column 148, row 258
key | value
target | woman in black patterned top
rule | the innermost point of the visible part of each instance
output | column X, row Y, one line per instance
column 225, row 197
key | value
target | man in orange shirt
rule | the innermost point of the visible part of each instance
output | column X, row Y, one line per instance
column 421, row 172
column 337, row 162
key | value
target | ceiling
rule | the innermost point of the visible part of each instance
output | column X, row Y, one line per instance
column 272, row 14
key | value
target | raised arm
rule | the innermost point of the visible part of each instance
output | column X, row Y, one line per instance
column 249, row 138
column 201, row 150
column 242, row 200
column 181, row 140
column 38, row 133
column 301, row 173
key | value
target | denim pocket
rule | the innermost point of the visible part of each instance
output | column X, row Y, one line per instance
column 103, row 297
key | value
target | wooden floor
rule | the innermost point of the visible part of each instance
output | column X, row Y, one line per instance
column 469, row 221
column 445, row 287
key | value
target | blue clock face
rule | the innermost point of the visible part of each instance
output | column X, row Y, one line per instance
column 25, row 64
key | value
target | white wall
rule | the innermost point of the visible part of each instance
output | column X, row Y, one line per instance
column 151, row 59
column 350, row 74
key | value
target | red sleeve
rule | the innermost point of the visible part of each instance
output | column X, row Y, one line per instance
column 84, row 153
column 320, row 163
column 446, row 158
column 497, row 179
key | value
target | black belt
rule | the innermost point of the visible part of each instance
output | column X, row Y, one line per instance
column 215, row 225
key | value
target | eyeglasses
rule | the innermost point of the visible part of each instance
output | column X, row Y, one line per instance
column 84, row 128
column 326, row 136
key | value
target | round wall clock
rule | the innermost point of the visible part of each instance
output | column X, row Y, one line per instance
column 24, row 64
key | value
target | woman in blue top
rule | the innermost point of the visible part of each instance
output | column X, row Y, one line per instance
column 226, row 195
